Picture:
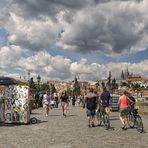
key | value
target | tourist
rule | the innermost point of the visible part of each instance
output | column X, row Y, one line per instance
column 37, row 99
column 46, row 102
column 91, row 104
column 105, row 99
column 73, row 100
column 56, row 100
column 64, row 102
column 123, row 109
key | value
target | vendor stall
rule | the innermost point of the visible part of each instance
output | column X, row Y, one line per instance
column 14, row 100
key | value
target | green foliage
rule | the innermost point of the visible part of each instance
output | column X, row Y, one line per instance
column 125, row 84
column 52, row 88
column 97, row 84
column 113, row 85
column 122, row 75
column 44, row 87
column 109, row 79
column 76, row 89
column 103, row 84
column 136, row 86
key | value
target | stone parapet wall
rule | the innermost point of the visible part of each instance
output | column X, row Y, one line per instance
column 142, row 106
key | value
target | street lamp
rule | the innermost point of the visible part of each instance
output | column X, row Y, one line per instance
column 38, row 80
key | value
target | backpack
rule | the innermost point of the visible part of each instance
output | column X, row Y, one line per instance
column 91, row 103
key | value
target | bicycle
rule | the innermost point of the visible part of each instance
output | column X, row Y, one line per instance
column 134, row 120
column 103, row 116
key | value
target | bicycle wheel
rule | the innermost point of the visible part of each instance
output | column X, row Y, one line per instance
column 33, row 120
column 106, row 121
column 130, row 120
column 139, row 124
column 99, row 117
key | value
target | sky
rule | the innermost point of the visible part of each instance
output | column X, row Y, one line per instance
column 61, row 39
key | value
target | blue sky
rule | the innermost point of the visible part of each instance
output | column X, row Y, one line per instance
column 3, row 37
column 93, row 42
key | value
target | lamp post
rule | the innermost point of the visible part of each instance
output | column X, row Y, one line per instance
column 38, row 80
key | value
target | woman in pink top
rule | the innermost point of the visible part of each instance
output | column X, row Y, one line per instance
column 123, row 109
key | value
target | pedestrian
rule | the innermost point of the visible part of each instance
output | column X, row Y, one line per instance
column 56, row 100
column 123, row 109
column 91, row 104
column 64, row 102
column 73, row 100
column 46, row 102
column 105, row 99
column 37, row 99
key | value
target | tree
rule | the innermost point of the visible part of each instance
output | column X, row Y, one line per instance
column 109, row 79
column 76, row 87
column 44, row 87
column 38, row 80
column 97, row 84
column 52, row 89
column 114, row 85
column 124, row 84
column 122, row 75
column 103, row 84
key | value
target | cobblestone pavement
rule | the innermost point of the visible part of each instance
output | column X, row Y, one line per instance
column 56, row 131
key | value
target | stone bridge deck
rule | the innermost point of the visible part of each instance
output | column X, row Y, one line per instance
column 56, row 131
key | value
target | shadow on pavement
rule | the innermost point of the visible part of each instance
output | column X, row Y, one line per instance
column 54, row 115
column 114, row 118
column 70, row 115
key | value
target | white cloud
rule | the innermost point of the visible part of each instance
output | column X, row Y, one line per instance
column 9, row 56
column 49, row 66
column 31, row 34
column 59, row 67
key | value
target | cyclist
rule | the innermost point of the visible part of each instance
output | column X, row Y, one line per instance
column 105, row 99
column 132, row 101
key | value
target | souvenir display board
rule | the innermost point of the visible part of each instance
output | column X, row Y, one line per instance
column 16, row 100
column 114, row 105
column 2, row 104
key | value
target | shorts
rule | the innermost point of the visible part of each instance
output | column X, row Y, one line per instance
column 90, row 112
column 45, row 105
column 64, row 104
column 123, row 111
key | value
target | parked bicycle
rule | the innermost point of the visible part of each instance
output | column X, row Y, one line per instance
column 103, row 116
column 134, row 120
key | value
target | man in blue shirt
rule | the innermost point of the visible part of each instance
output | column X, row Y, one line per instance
column 105, row 97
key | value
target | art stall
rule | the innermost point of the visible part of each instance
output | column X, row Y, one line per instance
column 14, row 103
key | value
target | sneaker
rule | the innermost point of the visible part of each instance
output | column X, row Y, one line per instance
column 124, row 127
column 64, row 114
column 46, row 115
column 89, row 125
column 93, row 125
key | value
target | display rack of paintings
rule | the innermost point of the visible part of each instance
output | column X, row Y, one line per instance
column 16, row 108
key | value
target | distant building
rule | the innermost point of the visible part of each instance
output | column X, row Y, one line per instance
column 133, row 78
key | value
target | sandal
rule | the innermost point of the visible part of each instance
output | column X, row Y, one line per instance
column 123, row 127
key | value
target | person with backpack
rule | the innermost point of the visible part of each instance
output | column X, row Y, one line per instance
column 37, row 99
column 105, row 99
column 91, row 104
